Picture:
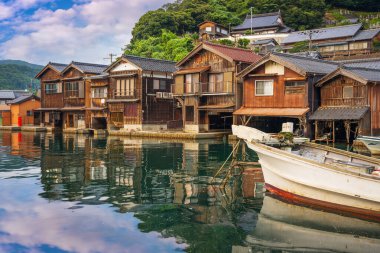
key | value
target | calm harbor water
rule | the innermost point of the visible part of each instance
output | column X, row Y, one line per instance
column 67, row 193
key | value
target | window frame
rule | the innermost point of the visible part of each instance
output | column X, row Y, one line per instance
column 348, row 86
column 264, row 95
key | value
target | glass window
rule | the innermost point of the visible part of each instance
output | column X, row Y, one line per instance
column 189, row 113
column 162, row 84
column 264, row 88
column 208, row 29
column 348, row 92
column 156, row 84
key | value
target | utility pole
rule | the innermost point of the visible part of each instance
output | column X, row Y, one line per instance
column 310, row 34
column 251, row 21
column 111, row 55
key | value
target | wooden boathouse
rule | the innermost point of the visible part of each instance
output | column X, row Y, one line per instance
column 76, row 88
column 349, row 102
column 22, row 110
column 206, row 86
column 140, row 95
column 51, row 94
column 280, row 88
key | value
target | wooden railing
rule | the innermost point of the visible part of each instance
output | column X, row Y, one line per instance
column 209, row 88
column 124, row 94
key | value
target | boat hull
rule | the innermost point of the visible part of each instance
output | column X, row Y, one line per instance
column 296, row 178
column 285, row 227
column 371, row 143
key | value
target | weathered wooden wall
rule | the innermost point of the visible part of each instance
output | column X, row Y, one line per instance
column 332, row 93
column 281, row 98
column 51, row 100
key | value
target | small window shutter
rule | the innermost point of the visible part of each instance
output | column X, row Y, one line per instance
column 179, row 84
column 81, row 89
column 228, row 81
column 59, row 87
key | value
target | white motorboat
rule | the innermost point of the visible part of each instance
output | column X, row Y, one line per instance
column 319, row 175
column 291, row 228
column 372, row 143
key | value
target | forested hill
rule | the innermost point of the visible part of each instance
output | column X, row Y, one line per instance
column 168, row 28
column 18, row 74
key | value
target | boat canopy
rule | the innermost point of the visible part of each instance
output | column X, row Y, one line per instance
column 268, row 112
column 339, row 113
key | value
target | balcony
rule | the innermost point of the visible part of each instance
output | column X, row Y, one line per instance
column 203, row 89
column 121, row 94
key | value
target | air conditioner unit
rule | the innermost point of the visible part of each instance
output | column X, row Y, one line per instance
column 159, row 95
column 165, row 95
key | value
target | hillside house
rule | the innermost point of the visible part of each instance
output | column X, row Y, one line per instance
column 51, row 94
column 280, row 88
column 262, row 27
column 209, row 30
column 349, row 102
column 140, row 95
column 206, row 86
column 338, row 41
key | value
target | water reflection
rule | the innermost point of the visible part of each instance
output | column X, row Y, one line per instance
column 68, row 193
column 284, row 227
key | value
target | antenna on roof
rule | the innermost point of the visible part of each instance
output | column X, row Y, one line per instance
column 309, row 34
column 111, row 55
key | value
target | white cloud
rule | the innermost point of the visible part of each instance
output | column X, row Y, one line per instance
column 85, row 32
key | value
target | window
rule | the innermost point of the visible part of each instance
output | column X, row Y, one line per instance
column 218, row 29
column 99, row 92
column 348, row 92
column 208, row 29
column 224, row 31
column 156, row 84
column 162, row 84
column 189, row 113
column 29, row 113
column 53, row 88
column 264, row 88
column 125, row 87
column 294, row 87
column 72, row 89
column 215, row 83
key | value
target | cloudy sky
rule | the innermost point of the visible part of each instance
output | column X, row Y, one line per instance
column 40, row 31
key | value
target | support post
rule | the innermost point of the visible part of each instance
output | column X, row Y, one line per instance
column 347, row 126
column 333, row 127
column 316, row 130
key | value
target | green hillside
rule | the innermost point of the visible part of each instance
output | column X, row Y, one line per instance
column 169, row 32
column 16, row 74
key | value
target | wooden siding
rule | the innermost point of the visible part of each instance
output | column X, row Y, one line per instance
column 374, row 99
column 332, row 93
column 50, row 100
column 280, row 98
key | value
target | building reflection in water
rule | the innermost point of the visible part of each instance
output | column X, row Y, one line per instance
column 138, row 171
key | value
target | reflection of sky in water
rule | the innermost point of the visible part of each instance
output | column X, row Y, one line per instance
column 30, row 224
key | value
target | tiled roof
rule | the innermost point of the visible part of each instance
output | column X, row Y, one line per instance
column 366, row 34
column 262, row 42
column 339, row 113
column 363, row 63
column 151, row 64
column 259, row 21
column 324, row 33
column 22, row 99
column 7, row 95
column 308, row 64
column 12, row 94
column 236, row 54
column 58, row 66
column 372, row 75
column 90, row 67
